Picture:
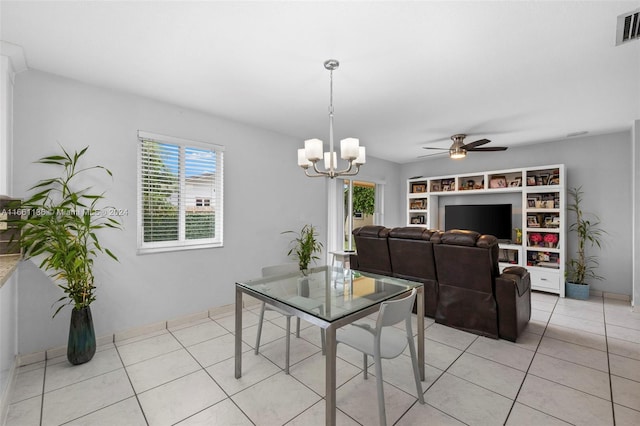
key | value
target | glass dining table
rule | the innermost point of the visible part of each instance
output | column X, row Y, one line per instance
column 343, row 295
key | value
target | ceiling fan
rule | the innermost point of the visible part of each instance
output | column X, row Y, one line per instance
column 459, row 149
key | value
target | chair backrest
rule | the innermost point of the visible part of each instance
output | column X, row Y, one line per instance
column 395, row 311
column 285, row 268
column 373, row 250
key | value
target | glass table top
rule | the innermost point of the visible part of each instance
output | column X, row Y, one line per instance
column 329, row 293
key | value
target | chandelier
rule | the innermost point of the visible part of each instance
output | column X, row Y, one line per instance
column 350, row 148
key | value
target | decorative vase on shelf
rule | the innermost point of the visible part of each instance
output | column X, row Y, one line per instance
column 82, row 338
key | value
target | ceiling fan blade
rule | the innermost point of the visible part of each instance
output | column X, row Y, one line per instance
column 440, row 149
column 472, row 145
column 487, row 149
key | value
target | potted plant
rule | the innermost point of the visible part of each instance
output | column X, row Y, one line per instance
column 59, row 227
column 535, row 239
column 588, row 232
column 305, row 246
column 551, row 240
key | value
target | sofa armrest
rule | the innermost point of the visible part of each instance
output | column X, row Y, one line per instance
column 513, row 297
column 519, row 276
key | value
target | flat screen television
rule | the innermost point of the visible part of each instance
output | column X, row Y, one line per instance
column 492, row 219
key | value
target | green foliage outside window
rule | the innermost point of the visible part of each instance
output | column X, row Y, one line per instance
column 363, row 199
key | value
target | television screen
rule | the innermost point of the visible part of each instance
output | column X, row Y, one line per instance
column 492, row 219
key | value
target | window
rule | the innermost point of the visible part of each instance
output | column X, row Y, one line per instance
column 180, row 194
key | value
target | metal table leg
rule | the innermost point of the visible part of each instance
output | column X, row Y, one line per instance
column 330, row 376
column 238, row 349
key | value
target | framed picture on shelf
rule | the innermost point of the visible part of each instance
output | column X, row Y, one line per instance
column 532, row 221
column 498, row 182
column 418, row 187
column 531, row 181
column 545, row 179
column 548, row 221
column 531, row 203
column 516, row 182
column 554, row 180
column 435, row 187
column 417, row 220
column 418, row 204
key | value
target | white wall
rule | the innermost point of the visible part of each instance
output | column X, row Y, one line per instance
column 8, row 292
column 635, row 159
column 601, row 164
column 260, row 201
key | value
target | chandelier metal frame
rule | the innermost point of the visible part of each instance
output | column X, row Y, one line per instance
column 351, row 150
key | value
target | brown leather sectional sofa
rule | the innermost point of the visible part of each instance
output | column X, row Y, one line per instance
column 459, row 269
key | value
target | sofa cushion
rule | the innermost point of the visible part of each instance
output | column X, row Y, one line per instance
column 411, row 233
column 373, row 249
column 371, row 231
column 411, row 255
column 459, row 237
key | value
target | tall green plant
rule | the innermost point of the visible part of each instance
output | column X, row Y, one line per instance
column 589, row 234
column 305, row 246
column 60, row 224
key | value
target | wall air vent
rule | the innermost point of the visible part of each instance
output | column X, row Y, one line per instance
column 628, row 28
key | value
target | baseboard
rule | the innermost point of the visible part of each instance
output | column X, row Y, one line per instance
column 607, row 295
column 616, row 296
column 213, row 313
column 4, row 398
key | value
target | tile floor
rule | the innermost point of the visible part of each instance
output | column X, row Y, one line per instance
column 577, row 363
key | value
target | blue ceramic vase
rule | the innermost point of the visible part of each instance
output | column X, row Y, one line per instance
column 82, row 338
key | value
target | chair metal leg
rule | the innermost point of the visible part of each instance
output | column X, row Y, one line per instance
column 262, row 308
column 322, row 335
column 288, row 339
column 298, row 327
column 381, row 409
column 365, row 368
column 416, row 371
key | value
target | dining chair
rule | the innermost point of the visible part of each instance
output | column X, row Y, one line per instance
column 269, row 271
column 384, row 341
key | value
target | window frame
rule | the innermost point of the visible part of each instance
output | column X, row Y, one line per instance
column 181, row 243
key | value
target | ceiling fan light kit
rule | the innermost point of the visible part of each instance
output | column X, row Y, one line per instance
column 457, row 150
column 350, row 148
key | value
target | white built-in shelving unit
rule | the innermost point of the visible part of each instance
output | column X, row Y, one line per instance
column 543, row 245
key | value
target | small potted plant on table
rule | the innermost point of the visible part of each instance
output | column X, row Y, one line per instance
column 305, row 246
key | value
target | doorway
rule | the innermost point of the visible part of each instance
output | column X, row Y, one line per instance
column 361, row 206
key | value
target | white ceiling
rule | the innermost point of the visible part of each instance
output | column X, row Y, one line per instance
column 411, row 72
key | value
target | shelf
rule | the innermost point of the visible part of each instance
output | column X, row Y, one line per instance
column 543, row 230
column 505, row 246
column 541, row 204
column 540, row 248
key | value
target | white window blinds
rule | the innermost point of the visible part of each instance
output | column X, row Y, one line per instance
column 180, row 193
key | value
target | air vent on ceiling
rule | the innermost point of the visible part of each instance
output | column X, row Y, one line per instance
column 628, row 27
